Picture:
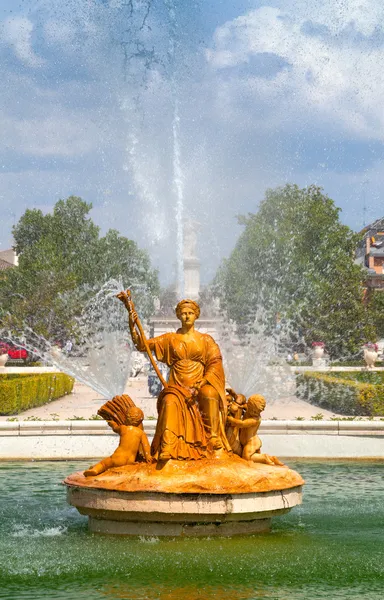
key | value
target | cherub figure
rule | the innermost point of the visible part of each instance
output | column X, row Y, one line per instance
column 236, row 407
column 132, row 441
column 249, row 425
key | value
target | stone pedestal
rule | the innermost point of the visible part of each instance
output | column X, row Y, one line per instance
column 191, row 277
column 130, row 513
column 226, row 496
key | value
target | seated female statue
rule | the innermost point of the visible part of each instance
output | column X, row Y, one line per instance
column 192, row 408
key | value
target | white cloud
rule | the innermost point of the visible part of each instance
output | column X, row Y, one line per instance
column 330, row 77
column 69, row 120
column 59, row 32
column 363, row 15
column 17, row 32
column 72, row 34
column 55, row 135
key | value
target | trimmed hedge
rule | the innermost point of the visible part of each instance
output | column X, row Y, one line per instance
column 372, row 377
column 21, row 391
column 342, row 393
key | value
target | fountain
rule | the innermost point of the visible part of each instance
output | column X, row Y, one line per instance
column 193, row 481
column 329, row 547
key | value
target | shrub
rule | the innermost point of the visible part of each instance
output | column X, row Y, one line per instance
column 345, row 393
column 348, row 363
column 373, row 377
column 355, row 363
column 21, row 391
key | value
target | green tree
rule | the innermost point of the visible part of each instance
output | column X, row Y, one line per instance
column 62, row 259
column 296, row 259
column 376, row 309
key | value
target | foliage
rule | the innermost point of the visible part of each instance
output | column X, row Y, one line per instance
column 374, row 377
column 342, row 393
column 19, row 392
column 348, row 363
column 62, row 260
column 317, row 417
column 376, row 307
column 295, row 258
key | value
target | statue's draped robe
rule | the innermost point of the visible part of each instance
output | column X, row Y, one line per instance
column 180, row 425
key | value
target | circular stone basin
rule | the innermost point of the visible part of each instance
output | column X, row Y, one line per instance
column 225, row 496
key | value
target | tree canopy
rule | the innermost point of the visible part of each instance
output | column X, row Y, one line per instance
column 296, row 259
column 61, row 258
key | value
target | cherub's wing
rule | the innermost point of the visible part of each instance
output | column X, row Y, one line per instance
column 116, row 409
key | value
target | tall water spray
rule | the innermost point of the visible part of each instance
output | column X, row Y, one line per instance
column 255, row 361
column 102, row 352
column 179, row 188
column 151, row 79
column 177, row 169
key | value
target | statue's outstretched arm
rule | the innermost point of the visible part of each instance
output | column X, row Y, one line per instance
column 114, row 426
column 137, row 332
column 133, row 318
column 146, row 448
column 243, row 424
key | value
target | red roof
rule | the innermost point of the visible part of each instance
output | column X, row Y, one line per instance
column 4, row 264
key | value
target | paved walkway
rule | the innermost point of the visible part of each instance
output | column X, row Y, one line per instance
column 84, row 403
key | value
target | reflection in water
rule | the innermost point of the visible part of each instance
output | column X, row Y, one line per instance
column 162, row 592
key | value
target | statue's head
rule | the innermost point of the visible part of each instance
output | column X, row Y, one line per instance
column 187, row 305
column 255, row 405
column 134, row 416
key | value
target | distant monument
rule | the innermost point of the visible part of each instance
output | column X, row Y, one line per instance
column 164, row 319
column 191, row 262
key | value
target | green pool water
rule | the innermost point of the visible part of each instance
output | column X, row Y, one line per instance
column 330, row 547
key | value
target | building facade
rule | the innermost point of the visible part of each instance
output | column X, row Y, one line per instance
column 370, row 254
column 8, row 259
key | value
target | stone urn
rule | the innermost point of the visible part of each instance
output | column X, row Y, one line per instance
column 370, row 355
column 317, row 350
column 3, row 359
column 56, row 352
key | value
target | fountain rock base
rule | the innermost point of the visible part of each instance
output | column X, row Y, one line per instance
column 227, row 496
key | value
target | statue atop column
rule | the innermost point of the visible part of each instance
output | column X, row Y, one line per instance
column 190, row 239
column 191, row 262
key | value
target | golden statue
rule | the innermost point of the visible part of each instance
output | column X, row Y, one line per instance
column 126, row 420
column 236, row 407
column 143, row 491
column 192, row 407
column 247, row 420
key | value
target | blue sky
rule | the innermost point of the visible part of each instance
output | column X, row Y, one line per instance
column 268, row 93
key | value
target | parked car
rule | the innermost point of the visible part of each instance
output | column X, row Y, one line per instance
column 154, row 383
column 16, row 353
